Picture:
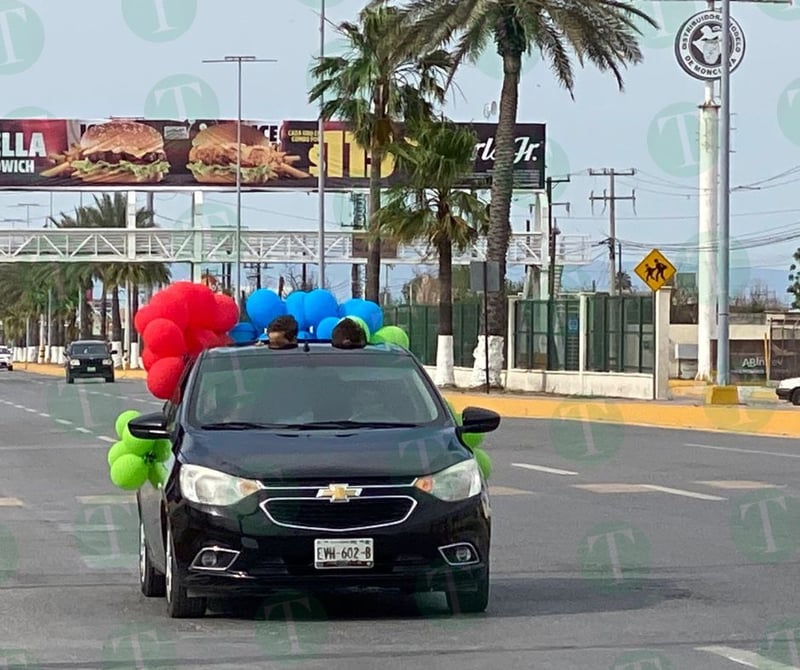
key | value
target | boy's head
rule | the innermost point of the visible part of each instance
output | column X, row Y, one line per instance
column 347, row 334
column 282, row 332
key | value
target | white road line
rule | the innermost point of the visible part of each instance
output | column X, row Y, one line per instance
column 49, row 447
column 44, row 415
column 508, row 491
column 741, row 451
column 32, row 411
column 681, row 492
column 65, row 422
column 106, row 500
column 83, row 430
column 747, row 658
column 10, row 502
column 110, row 440
column 542, row 468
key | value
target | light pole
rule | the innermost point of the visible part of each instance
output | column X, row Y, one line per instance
column 723, row 249
column 12, row 221
column 238, row 236
column 27, row 206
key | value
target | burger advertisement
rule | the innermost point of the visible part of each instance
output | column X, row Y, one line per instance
column 136, row 154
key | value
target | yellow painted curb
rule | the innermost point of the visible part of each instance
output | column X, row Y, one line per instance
column 722, row 395
column 58, row 371
column 729, row 419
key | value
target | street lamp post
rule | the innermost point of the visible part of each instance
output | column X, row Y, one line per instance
column 238, row 236
column 27, row 206
column 723, row 239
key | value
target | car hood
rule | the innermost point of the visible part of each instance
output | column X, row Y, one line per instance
column 330, row 455
column 86, row 357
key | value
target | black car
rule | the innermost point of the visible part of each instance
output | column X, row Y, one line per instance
column 85, row 359
column 313, row 469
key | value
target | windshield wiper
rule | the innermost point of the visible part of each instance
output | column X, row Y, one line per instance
column 238, row 425
column 323, row 425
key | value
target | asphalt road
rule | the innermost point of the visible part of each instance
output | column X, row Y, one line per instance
column 614, row 547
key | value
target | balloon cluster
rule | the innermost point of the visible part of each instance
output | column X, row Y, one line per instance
column 317, row 312
column 473, row 442
column 133, row 460
column 178, row 323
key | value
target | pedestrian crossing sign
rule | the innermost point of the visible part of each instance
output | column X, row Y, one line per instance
column 655, row 270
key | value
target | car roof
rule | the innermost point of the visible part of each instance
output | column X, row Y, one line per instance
column 89, row 342
column 314, row 348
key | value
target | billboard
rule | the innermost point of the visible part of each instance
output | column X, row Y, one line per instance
column 136, row 154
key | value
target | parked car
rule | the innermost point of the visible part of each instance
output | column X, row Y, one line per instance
column 86, row 359
column 313, row 468
column 789, row 389
column 6, row 362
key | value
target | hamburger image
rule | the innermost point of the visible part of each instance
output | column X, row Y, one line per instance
column 117, row 152
column 213, row 157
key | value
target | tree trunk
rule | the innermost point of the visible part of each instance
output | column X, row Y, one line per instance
column 116, row 317
column 87, row 317
column 373, row 280
column 445, row 375
column 134, row 309
column 355, row 280
column 104, row 311
column 499, row 219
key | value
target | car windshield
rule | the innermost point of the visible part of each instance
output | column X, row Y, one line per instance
column 254, row 390
column 94, row 349
column 5, row 350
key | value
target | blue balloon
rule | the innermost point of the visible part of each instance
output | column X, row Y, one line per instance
column 296, row 306
column 367, row 310
column 304, row 335
column 324, row 330
column 263, row 306
column 243, row 332
column 319, row 305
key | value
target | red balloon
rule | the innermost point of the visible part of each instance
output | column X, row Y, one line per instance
column 148, row 358
column 164, row 338
column 144, row 315
column 163, row 377
column 199, row 340
column 171, row 305
column 227, row 313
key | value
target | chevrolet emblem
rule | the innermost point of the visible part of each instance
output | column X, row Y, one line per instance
column 339, row 492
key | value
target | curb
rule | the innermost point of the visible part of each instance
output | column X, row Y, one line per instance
column 740, row 420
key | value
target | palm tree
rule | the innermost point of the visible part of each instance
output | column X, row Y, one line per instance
column 373, row 87
column 602, row 32
column 624, row 283
column 430, row 205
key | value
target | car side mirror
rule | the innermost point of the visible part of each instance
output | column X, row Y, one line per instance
column 114, row 352
column 478, row 420
column 149, row 426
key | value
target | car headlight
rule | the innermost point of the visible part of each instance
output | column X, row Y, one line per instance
column 108, row 361
column 458, row 482
column 210, row 487
column 74, row 363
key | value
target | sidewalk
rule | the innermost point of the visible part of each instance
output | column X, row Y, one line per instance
column 760, row 415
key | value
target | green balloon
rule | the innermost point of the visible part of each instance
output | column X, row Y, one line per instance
column 157, row 474
column 391, row 335
column 129, row 472
column 117, row 449
column 484, row 462
column 136, row 445
column 123, row 419
column 162, row 451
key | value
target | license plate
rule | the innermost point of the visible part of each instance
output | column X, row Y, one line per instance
column 349, row 553
column 91, row 369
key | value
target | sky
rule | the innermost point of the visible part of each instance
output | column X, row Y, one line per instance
column 53, row 64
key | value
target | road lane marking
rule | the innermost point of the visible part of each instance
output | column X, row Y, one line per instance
column 742, row 451
column 542, row 468
column 106, row 499
column 10, row 502
column 32, row 411
column 739, row 484
column 682, row 492
column 83, row 430
column 44, row 415
column 747, row 658
column 110, row 440
column 49, row 447
column 508, row 491
column 643, row 488
column 65, row 422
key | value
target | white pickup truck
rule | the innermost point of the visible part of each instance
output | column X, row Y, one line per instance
column 789, row 389
column 5, row 359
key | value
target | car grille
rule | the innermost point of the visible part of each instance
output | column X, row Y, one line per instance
column 358, row 514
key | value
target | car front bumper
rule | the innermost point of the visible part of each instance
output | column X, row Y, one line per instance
column 84, row 371
column 4, row 365
column 783, row 393
column 272, row 557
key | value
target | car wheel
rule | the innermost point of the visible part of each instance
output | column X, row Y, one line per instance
column 110, row 380
column 11, row 368
column 795, row 399
column 470, row 602
column 152, row 582
column 179, row 604
column 70, row 380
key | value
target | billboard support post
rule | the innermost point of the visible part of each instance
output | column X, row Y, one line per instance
column 322, row 167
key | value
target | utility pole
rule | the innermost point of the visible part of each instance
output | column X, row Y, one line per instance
column 552, row 232
column 610, row 197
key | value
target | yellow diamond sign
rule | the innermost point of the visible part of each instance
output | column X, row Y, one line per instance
column 655, row 270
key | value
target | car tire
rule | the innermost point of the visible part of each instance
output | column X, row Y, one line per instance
column 795, row 397
column 470, row 602
column 110, row 380
column 11, row 368
column 179, row 604
column 152, row 582
column 70, row 379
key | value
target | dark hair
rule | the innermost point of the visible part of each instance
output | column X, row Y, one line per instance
column 285, row 324
column 347, row 334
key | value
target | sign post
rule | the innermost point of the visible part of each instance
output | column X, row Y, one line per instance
column 655, row 270
column 484, row 276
